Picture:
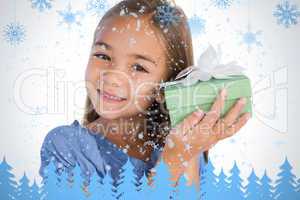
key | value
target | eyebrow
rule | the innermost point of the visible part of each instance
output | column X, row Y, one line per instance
column 144, row 57
column 137, row 56
column 100, row 43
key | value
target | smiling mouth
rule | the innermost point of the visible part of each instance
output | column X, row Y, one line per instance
column 110, row 97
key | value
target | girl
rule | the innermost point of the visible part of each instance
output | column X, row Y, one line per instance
column 137, row 45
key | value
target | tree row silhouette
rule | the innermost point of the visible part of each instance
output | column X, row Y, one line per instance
column 75, row 185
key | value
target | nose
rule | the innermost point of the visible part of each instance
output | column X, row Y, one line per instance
column 111, row 79
column 114, row 84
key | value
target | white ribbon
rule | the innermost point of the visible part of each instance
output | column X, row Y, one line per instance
column 208, row 66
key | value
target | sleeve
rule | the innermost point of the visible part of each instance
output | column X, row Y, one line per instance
column 68, row 146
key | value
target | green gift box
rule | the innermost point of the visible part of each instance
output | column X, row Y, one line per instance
column 182, row 100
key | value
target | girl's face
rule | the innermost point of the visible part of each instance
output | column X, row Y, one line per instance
column 126, row 63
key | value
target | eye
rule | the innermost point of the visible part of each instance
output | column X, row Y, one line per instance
column 139, row 67
column 102, row 56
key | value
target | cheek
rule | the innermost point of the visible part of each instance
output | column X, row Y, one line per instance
column 91, row 78
column 90, row 71
column 143, row 94
column 93, row 71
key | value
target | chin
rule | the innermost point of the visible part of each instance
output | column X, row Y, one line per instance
column 102, row 110
column 108, row 114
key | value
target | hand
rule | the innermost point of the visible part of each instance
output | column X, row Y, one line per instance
column 200, row 131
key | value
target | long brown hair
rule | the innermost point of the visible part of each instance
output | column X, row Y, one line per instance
column 177, row 38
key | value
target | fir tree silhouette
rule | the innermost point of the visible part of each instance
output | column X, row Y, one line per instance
column 223, row 186
column 116, row 184
column 128, row 186
column 94, row 189
column 298, row 189
column 163, row 187
column 253, row 187
column 185, row 191
column 286, row 184
column 107, row 187
column 50, row 183
column 8, row 185
column 266, row 189
column 75, row 185
column 78, row 184
column 35, row 191
column 43, row 192
column 202, row 172
column 144, row 188
column 209, row 182
column 236, row 186
column 23, row 189
column 65, row 184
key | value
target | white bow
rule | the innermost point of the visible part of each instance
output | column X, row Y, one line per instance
column 208, row 66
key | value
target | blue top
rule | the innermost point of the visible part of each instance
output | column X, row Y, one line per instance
column 73, row 144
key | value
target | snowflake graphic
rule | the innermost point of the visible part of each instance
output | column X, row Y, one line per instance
column 287, row 14
column 222, row 4
column 97, row 7
column 197, row 25
column 41, row 5
column 14, row 33
column 250, row 38
column 70, row 17
column 166, row 15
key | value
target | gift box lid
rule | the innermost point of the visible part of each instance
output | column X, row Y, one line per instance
column 203, row 92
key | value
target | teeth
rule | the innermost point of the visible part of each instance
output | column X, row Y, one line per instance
column 112, row 97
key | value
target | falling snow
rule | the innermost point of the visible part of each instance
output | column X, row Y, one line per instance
column 287, row 14
column 187, row 147
column 222, row 4
column 133, row 14
column 122, row 12
column 142, row 10
column 41, row 5
column 107, row 167
column 140, row 135
column 170, row 143
column 59, row 165
column 14, row 33
column 97, row 7
column 132, row 41
column 185, row 163
column 70, row 17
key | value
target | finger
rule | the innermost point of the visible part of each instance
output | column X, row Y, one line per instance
column 213, row 139
column 234, row 128
column 230, row 117
column 219, row 128
column 234, row 112
column 189, row 122
column 212, row 116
